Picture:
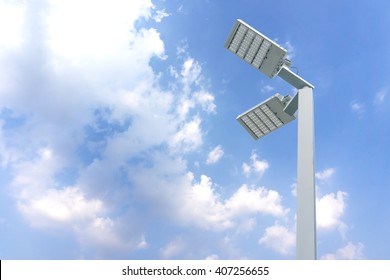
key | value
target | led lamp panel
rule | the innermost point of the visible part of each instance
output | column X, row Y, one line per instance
column 265, row 117
column 256, row 49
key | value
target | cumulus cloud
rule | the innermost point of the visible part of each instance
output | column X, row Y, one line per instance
column 90, row 111
column 255, row 166
column 325, row 175
column 349, row 252
column 215, row 155
column 178, row 196
column 261, row 200
column 189, row 137
column 330, row 209
column 60, row 206
column 279, row 239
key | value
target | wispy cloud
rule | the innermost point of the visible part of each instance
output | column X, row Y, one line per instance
column 212, row 257
column 291, row 51
column 215, row 155
column 267, row 89
column 159, row 15
column 380, row 96
column 358, row 107
column 325, row 175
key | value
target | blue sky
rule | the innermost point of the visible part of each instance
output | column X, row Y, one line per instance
column 118, row 137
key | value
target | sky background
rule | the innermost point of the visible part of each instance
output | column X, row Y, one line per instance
column 118, row 137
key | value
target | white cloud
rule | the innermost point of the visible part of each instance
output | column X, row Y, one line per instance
column 11, row 24
column 325, row 174
column 100, row 133
column 181, row 50
column 330, row 209
column 173, row 248
column 246, row 169
column 142, row 243
column 349, row 252
column 189, row 137
column 68, row 205
column 255, row 166
column 190, row 73
column 91, row 106
column 215, row 155
column 358, row 107
column 176, row 195
column 290, row 50
column 205, row 208
column 260, row 200
column 246, row 225
column 69, row 209
column 294, row 189
column 101, row 233
column 194, row 89
column 380, row 96
column 206, row 100
column 212, row 257
column 267, row 89
column 105, row 37
column 160, row 14
column 279, row 238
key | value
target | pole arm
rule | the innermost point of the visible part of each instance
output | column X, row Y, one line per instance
column 293, row 79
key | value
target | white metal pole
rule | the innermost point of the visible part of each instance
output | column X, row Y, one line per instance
column 306, row 210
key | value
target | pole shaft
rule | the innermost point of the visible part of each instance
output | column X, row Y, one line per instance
column 306, row 214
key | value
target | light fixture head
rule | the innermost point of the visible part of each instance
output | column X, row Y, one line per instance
column 256, row 49
column 267, row 116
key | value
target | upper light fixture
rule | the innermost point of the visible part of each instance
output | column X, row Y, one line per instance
column 262, row 53
column 256, row 49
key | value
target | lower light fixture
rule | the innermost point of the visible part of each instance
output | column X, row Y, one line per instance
column 267, row 116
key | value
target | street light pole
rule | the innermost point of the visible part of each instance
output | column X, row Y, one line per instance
column 306, row 212
column 270, row 58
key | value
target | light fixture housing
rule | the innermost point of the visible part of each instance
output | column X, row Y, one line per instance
column 256, row 49
column 267, row 116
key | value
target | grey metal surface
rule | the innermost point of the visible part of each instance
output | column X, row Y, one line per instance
column 306, row 201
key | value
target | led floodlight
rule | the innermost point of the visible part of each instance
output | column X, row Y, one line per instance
column 266, row 117
column 256, row 49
